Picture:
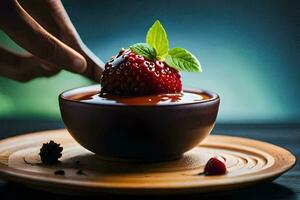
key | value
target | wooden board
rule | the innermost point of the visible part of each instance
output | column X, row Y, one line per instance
column 249, row 162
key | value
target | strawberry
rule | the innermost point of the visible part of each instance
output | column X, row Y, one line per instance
column 214, row 166
column 148, row 68
column 129, row 74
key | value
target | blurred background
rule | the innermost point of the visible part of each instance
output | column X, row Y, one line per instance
column 249, row 52
column 250, row 55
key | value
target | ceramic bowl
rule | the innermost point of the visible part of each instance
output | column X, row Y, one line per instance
column 136, row 132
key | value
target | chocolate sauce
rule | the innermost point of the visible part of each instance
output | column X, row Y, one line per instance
column 115, row 61
column 163, row 99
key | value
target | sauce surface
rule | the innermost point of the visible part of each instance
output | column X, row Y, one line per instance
column 163, row 99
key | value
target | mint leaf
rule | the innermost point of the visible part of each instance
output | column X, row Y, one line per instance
column 182, row 60
column 157, row 38
column 157, row 47
column 144, row 49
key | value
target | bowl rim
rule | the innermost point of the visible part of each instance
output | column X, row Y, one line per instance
column 62, row 96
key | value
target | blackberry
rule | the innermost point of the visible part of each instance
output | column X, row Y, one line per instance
column 50, row 153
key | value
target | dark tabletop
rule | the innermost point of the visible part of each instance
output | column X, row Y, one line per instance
column 285, row 187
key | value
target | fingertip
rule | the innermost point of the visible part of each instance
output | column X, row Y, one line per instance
column 79, row 65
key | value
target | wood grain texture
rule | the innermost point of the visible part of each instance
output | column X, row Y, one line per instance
column 249, row 162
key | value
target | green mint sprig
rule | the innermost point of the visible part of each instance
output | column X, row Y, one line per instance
column 157, row 48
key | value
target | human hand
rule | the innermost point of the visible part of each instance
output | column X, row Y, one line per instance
column 46, row 32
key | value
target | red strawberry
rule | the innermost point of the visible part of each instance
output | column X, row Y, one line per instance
column 129, row 74
column 214, row 166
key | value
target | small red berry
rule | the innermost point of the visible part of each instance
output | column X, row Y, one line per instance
column 214, row 166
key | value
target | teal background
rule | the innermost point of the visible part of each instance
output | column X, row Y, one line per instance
column 249, row 51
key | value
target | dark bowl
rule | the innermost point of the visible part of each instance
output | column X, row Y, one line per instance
column 135, row 132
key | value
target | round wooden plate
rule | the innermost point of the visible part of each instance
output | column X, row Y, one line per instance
column 248, row 161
